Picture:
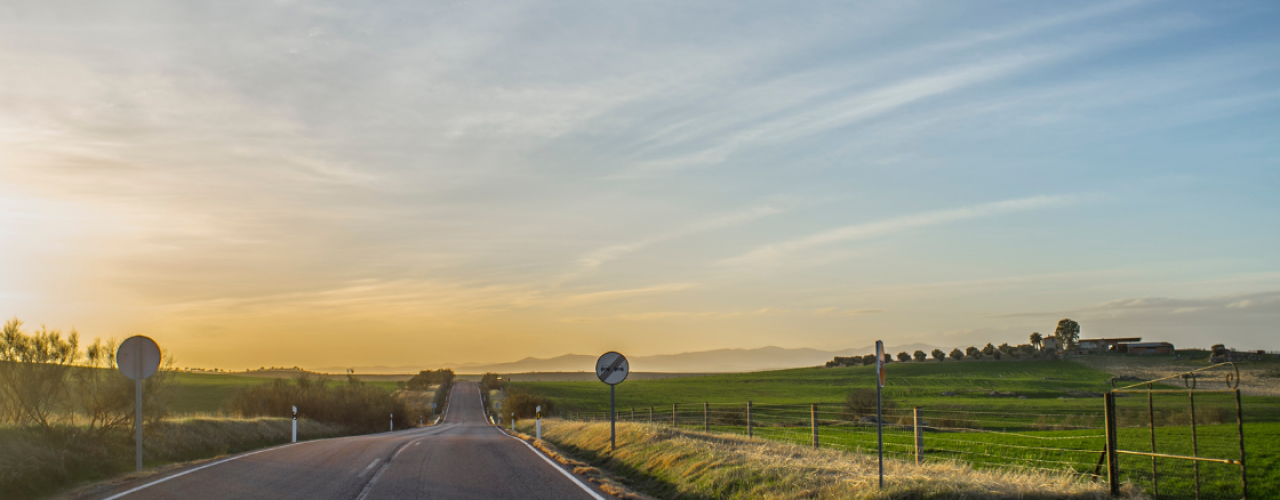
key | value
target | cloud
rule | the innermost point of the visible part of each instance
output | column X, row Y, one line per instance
column 598, row 257
column 833, row 311
column 612, row 295
column 895, row 225
column 662, row 315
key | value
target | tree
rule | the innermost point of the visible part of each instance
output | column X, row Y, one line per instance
column 1036, row 339
column 1005, row 348
column 888, row 358
column 1068, row 333
column 34, row 372
column 972, row 352
column 989, row 349
column 904, row 357
column 938, row 355
column 920, row 355
column 996, row 354
column 956, row 354
column 490, row 382
column 869, row 359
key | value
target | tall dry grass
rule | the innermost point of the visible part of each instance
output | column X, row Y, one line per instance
column 670, row 463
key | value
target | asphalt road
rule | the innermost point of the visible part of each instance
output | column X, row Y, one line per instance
column 462, row 458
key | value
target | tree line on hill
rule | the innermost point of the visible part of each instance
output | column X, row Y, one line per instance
column 1067, row 332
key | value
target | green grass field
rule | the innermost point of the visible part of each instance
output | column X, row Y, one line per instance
column 206, row 392
column 1058, row 425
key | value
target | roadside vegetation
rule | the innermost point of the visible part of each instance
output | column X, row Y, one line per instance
column 675, row 463
column 67, row 414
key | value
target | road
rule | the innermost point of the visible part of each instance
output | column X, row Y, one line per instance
column 463, row 458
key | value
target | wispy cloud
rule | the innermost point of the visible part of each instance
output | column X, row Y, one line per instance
column 896, row 225
column 665, row 315
column 602, row 255
column 612, row 295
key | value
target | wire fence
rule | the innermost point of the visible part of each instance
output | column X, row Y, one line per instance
column 1016, row 437
column 1027, row 438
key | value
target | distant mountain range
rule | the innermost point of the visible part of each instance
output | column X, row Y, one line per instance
column 718, row 360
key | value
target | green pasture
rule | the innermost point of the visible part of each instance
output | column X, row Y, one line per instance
column 919, row 384
column 206, row 392
column 1056, row 425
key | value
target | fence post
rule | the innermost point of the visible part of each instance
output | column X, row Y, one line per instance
column 706, row 417
column 915, row 414
column 750, row 430
column 1244, row 478
column 813, row 422
column 1113, row 466
column 1195, row 445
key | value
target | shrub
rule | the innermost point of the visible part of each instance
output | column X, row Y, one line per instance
column 861, row 403
column 525, row 404
column 352, row 404
column 956, row 354
column 938, row 355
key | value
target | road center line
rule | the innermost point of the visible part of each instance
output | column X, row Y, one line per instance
column 371, row 464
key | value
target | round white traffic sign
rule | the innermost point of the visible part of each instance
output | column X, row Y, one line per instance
column 612, row 368
column 138, row 357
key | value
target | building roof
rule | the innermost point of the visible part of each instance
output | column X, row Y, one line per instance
column 1150, row 344
column 1124, row 339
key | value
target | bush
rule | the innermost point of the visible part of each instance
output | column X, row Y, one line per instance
column 352, row 404
column 525, row 405
column 862, row 403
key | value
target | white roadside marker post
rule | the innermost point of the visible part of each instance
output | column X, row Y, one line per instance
column 393, row 422
column 138, row 358
column 539, row 422
column 295, row 424
column 513, row 422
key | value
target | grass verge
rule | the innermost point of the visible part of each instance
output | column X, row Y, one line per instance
column 35, row 463
column 676, row 463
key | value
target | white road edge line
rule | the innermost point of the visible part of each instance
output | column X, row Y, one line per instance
column 557, row 467
column 206, row 466
column 543, row 457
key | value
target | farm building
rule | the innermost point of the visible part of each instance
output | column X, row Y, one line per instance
column 1143, row 348
column 1049, row 343
column 1104, row 345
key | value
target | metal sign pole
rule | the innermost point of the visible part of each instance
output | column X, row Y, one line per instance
column 137, row 416
column 137, row 358
column 613, row 420
column 612, row 369
column 880, row 407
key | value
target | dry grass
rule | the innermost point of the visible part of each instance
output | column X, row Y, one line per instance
column 35, row 462
column 671, row 463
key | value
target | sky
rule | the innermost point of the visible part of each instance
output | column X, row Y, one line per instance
column 423, row 183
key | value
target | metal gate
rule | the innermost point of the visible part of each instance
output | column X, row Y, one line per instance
column 1189, row 379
